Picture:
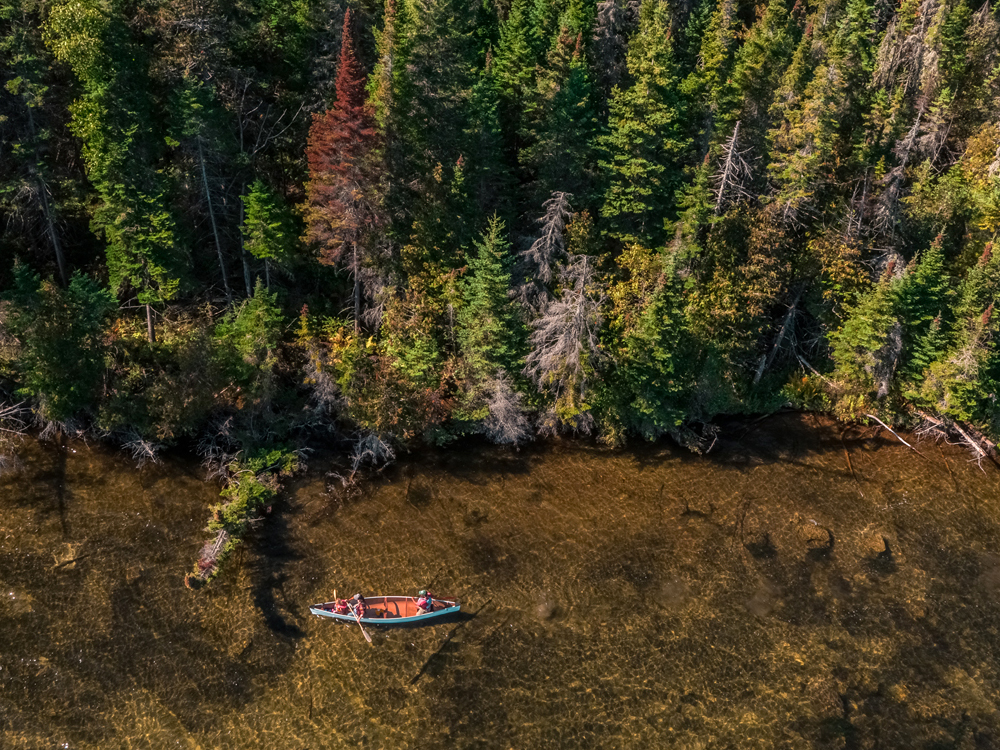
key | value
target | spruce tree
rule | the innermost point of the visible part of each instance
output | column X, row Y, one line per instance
column 114, row 119
column 642, row 152
column 488, row 333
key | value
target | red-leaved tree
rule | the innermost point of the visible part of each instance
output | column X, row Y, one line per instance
column 341, row 203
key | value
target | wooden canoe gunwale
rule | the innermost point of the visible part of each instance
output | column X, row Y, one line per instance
column 399, row 608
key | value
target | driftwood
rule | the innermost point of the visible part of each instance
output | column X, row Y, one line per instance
column 980, row 446
column 872, row 416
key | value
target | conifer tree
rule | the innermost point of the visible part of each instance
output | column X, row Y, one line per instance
column 341, row 211
column 646, row 142
column 268, row 228
column 645, row 391
column 868, row 347
column 709, row 87
column 61, row 358
column 32, row 187
column 114, row 120
column 488, row 334
column 559, row 154
column 198, row 136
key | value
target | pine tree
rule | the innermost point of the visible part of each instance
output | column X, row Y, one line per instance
column 646, row 142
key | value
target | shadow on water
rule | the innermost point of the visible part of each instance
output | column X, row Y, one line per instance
column 281, row 612
column 436, row 661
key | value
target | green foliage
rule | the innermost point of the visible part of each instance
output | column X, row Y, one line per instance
column 758, row 189
column 60, row 362
column 269, row 231
column 247, row 341
column 646, row 392
column 490, row 335
column 642, row 151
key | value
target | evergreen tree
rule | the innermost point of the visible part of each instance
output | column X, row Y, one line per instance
column 341, row 211
column 488, row 321
column 560, row 155
column 645, row 392
column 34, row 189
column 61, row 358
column 646, row 142
column 268, row 228
column 114, row 120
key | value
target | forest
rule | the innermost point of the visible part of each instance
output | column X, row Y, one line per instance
column 251, row 226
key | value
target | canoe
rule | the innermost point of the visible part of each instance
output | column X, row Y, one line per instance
column 390, row 610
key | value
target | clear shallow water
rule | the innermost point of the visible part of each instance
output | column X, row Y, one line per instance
column 758, row 597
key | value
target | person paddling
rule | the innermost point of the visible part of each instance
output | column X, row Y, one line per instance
column 425, row 602
column 360, row 606
column 340, row 607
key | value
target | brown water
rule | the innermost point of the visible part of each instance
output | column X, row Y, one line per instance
column 758, row 597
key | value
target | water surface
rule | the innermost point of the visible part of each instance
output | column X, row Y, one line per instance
column 761, row 596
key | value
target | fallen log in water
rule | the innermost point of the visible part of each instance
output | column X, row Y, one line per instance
column 978, row 444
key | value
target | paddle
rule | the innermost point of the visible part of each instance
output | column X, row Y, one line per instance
column 363, row 631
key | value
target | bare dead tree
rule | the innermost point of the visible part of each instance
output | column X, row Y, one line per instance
column 733, row 173
column 887, row 212
column 506, row 423
column 143, row 451
column 564, row 343
column 614, row 23
column 218, row 448
column 536, row 264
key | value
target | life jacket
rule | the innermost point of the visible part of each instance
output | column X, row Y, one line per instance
column 341, row 607
column 426, row 602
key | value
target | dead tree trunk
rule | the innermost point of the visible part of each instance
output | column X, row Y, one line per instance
column 149, row 324
column 46, row 208
column 735, row 171
column 211, row 217
column 767, row 359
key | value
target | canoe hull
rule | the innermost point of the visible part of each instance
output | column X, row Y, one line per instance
column 390, row 610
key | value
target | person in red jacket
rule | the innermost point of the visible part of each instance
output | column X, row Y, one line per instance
column 340, row 607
